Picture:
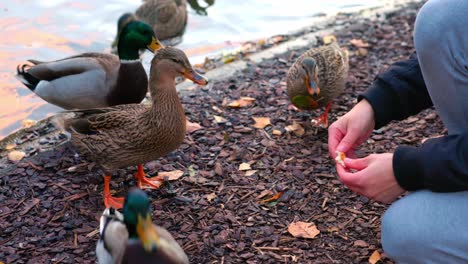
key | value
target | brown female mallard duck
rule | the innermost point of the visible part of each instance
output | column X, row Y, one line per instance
column 93, row 80
column 316, row 78
column 132, row 237
column 126, row 135
column 167, row 17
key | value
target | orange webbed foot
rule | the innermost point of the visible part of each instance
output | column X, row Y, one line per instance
column 115, row 202
column 322, row 120
column 147, row 183
column 109, row 200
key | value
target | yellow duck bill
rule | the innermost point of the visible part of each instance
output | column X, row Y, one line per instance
column 147, row 233
column 155, row 45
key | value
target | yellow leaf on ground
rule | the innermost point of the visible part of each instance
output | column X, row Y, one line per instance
column 16, row 155
column 244, row 166
column 359, row 43
column 219, row 119
column 242, row 102
column 171, row 175
column 303, row 229
column 375, row 257
column 329, row 39
column 210, row 196
column 28, row 123
column 261, row 122
column 250, row 172
column 192, row 127
column 296, row 128
column 10, row 146
column 276, row 132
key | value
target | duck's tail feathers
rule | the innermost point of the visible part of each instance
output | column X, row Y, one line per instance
column 35, row 62
column 27, row 79
column 62, row 121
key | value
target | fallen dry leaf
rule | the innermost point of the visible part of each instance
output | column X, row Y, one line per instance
column 171, row 175
column 192, row 127
column 303, row 229
column 217, row 109
column 276, row 132
column 296, row 128
column 358, row 43
column 244, row 166
column 360, row 243
column 16, row 155
column 328, row 39
column 273, row 198
column 210, row 196
column 250, row 172
column 242, row 102
column 362, row 52
column 375, row 257
column 264, row 193
column 219, row 119
column 261, row 122
column 28, row 123
column 10, row 146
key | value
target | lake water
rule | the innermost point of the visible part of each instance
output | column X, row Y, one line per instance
column 52, row 29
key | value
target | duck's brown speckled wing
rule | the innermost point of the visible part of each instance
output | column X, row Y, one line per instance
column 113, row 137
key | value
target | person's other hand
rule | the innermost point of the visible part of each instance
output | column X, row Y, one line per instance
column 373, row 177
column 350, row 130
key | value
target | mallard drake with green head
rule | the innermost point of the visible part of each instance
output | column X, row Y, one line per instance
column 316, row 78
column 167, row 17
column 133, row 238
column 133, row 134
column 92, row 80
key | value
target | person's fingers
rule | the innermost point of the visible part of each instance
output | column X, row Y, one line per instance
column 335, row 135
column 348, row 178
column 348, row 141
column 351, row 154
column 357, row 164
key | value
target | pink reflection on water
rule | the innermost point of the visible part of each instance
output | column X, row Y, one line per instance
column 29, row 39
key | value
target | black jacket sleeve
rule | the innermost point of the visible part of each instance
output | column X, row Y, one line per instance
column 440, row 164
column 398, row 92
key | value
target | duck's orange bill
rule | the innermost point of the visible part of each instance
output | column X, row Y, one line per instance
column 195, row 77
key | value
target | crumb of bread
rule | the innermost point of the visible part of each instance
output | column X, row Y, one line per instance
column 340, row 156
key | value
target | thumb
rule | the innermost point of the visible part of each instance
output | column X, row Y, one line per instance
column 347, row 142
column 356, row 164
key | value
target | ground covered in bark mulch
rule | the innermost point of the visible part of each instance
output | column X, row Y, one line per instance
column 49, row 213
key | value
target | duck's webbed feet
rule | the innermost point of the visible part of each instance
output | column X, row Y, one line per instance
column 322, row 120
column 109, row 200
column 147, row 183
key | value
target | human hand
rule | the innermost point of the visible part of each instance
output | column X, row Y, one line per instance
column 350, row 130
column 373, row 177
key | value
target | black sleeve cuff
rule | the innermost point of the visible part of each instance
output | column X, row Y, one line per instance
column 381, row 100
column 407, row 168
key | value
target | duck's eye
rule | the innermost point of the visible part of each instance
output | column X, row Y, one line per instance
column 176, row 61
